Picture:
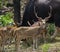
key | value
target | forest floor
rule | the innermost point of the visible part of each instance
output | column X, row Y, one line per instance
column 53, row 46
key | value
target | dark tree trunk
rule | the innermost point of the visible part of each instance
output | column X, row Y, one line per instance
column 17, row 15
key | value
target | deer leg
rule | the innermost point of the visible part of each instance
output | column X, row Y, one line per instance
column 44, row 37
column 0, row 44
column 3, row 43
column 35, row 45
column 36, row 42
column 17, row 44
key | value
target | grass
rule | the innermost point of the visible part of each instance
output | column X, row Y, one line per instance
column 44, row 47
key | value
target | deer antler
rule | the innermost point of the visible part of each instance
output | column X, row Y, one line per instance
column 49, row 14
column 36, row 14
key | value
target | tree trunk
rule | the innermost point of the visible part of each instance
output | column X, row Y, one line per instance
column 17, row 15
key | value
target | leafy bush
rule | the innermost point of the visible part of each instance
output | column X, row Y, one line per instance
column 51, row 29
column 6, row 19
column 45, row 47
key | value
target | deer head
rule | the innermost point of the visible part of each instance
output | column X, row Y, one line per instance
column 43, row 21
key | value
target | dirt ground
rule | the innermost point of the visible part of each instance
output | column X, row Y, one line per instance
column 54, row 46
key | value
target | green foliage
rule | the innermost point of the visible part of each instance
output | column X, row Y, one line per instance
column 0, row 3
column 45, row 47
column 6, row 19
column 51, row 29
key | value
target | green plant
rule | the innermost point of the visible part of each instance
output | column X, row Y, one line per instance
column 45, row 47
column 0, row 3
column 51, row 29
column 6, row 19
